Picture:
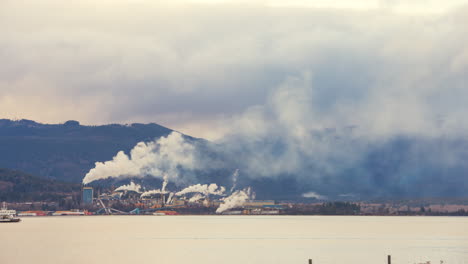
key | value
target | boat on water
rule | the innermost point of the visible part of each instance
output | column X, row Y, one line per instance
column 8, row 216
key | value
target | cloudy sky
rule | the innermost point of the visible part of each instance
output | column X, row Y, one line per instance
column 206, row 67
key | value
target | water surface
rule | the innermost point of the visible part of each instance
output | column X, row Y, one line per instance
column 235, row 239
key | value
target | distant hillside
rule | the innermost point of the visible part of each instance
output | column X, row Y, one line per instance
column 67, row 151
column 19, row 186
column 403, row 167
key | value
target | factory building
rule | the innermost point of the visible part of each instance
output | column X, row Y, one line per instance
column 87, row 195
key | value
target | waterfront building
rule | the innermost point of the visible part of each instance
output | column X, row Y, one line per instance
column 87, row 196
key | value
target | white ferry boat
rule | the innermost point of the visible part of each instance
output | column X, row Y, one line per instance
column 8, row 216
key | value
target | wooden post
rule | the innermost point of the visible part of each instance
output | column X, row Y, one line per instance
column 389, row 259
column 310, row 261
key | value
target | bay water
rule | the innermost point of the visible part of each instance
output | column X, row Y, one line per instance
column 235, row 240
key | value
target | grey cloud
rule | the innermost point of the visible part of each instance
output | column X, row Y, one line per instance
column 284, row 143
column 145, row 61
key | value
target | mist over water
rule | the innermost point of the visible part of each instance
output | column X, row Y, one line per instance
column 235, row 239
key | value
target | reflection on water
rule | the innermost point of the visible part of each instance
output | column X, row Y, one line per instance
column 235, row 239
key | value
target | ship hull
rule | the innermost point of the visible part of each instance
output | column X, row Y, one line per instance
column 13, row 220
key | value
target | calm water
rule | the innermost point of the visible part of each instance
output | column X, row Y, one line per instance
column 234, row 239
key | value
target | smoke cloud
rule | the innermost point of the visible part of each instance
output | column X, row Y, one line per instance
column 203, row 189
column 235, row 175
column 153, row 192
column 165, row 182
column 314, row 195
column 160, row 159
column 196, row 197
column 288, row 139
column 129, row 187
column 236, row 199
column 159, row 191
column 169, row 199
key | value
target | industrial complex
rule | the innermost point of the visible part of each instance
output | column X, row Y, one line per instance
column 211, row 199
column 121, row 201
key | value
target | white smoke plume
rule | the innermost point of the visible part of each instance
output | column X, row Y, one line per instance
column 129, row 187
column 158, row 191
column 153, row 192
column 169, row 199
column 205, row 189
column 249, row 191
column 162, row 157
column 165, row 182
column 234, row 180
column 236, row 199
column 314, row 195
column 197, row 197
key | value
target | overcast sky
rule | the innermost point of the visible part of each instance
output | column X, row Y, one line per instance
column 198, row 66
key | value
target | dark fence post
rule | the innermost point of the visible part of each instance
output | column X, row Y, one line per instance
column 389, row 259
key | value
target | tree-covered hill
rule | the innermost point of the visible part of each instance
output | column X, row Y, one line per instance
column 340, row 165
column 67, row 151
column 19, row 186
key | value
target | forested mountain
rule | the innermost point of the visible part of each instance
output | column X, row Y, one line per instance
column 339, row 167
column 67, row 151
column 20, row 186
